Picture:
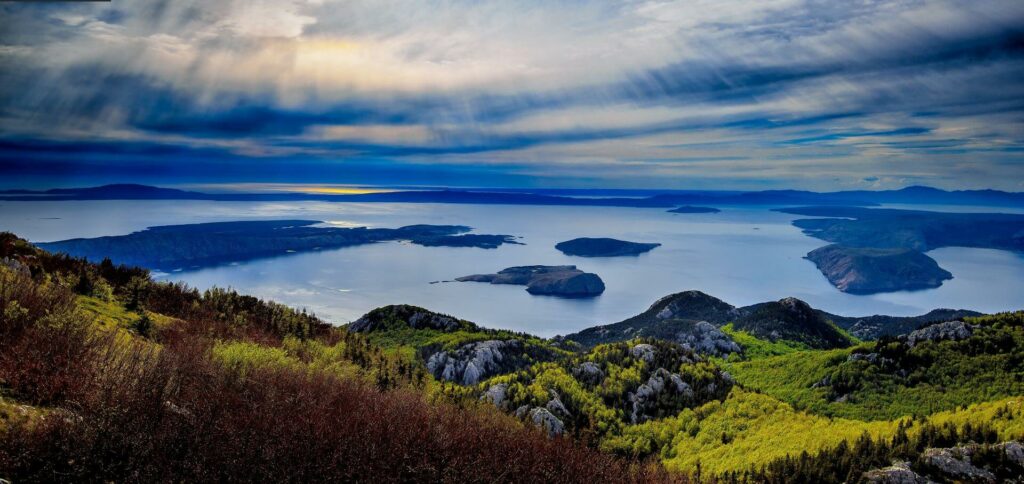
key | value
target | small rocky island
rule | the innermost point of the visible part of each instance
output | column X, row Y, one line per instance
column 563, row 281
column 859, row 270
column 693, row 209
column 603, row 247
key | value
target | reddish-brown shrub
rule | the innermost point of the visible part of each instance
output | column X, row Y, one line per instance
column 46, row 347
column 177, row 415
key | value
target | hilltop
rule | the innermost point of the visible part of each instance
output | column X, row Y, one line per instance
column 673, row 317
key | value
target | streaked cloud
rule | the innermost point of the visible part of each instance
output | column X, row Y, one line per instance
column 725, row 94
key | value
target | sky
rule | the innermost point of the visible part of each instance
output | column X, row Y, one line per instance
column 703, row 94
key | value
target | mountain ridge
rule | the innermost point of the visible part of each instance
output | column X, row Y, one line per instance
column 579, row 197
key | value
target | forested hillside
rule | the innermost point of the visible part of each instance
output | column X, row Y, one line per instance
column 108, row 376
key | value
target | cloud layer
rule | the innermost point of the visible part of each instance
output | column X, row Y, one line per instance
column 697, row 94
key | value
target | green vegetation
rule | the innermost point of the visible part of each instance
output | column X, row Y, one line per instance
column 747, row 429
column 756, row 348
column 889, row 378
column 598, row 390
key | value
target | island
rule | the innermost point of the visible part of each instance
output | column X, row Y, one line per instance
column 860, row 270
column 882, row 250
column 911, row 229
column 693, row 209
column 603, row 247
column 480, row 241
column 190, row 246
column 562, row 281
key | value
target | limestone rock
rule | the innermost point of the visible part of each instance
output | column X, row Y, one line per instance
column 898, row 473
column 643, row 351
column 589, row 373
column 473, row 362
column 707, row 339
column 955, row 463
column 497, row 395
column 647, row 395
column 544, row 419
column 950, row 330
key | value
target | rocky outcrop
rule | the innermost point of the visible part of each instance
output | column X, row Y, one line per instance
column 403, row 315
column 545, row 420
column 955, row 464
column 949, row 330
column 564, row 281
column 859, row 270
column 966, row 463
column 603, row 247
column 556, row 407
column 589, row 373
column 646, row 397
column 898, row 473
column 643, row 351
column 497, row 395
column 706, row 338
column 474, row 362
column 1014, row 451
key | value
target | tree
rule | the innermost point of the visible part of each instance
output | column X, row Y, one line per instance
column 85, row 285
column 143, row 326
column 135, row 293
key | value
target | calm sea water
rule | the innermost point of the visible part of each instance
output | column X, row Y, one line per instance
column 741, row 255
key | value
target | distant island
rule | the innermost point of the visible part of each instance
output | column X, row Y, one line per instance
column 603, row 247
column 174, row 247
column 480, row 241
column 882, row 250
column 859, row 270
column 693, row 209
column 564, row 281
column 911, row 229
column 561, row 197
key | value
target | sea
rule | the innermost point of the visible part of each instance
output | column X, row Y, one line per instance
column 742, row 255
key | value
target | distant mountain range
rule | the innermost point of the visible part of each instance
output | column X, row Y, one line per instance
column 600, row 197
